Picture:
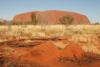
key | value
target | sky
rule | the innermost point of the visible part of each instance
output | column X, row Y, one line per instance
column 90, row 8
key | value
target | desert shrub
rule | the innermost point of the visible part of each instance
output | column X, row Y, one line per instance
column 14, row 23
column 17, row 63
column 2, row 61
column 20, row 23
column 86, row 59
column 3, row 23
column 2, row 58
column 97, row 23
column 67, row 19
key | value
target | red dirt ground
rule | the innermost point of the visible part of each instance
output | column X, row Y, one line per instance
column 39, row 53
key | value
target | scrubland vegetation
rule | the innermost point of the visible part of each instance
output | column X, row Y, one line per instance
column 45, row 31
column 82, row 34
column 22, row 42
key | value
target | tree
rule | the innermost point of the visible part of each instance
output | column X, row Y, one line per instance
column 66, row 19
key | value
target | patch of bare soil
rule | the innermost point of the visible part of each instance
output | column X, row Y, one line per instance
column 44, row 53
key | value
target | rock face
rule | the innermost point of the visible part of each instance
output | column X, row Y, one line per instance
column 51, row 17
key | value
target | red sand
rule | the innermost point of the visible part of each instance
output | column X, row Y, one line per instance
column 46, row 54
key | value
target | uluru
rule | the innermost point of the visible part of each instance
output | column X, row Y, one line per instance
column 51, row 17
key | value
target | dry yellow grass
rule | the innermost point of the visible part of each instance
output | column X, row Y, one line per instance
column 48, row 30
column 86, row 35
column 78, row 32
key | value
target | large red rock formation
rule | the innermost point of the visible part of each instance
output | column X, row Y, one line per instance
column 51, row 17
